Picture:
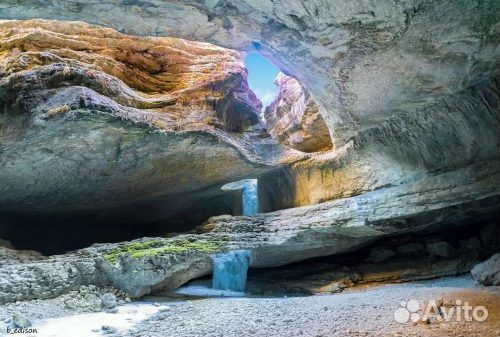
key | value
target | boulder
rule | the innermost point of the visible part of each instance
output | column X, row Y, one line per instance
column 488, row 272
column 473, row 244
column 6, row 244
column 108, row 300
column 108, row 330
column 410, row 248
column 490, row 237
column 20, row 321
column 441, row 249
column 70, row 304
column 379, row 254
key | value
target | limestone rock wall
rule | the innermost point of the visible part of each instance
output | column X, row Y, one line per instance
column 397, row 152
column 437, row 203
column 383, row 72
column 406, row 88
column 176, row 84
column 98, row 127
column 294, row 119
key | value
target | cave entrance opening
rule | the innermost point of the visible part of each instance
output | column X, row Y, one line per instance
column 261, row 76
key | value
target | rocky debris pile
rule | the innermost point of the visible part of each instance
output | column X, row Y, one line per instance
column 91, row 298
column 47, row 278
column 13, row 256
column 6, row 244
column 87, row 299
column 38, row 310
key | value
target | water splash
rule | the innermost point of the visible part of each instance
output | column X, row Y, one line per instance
column 230, row 270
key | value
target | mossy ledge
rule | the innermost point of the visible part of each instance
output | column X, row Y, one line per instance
column 158, row 247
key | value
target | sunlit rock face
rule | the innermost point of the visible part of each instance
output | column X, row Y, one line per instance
column 105, row 128
column 170, row 83
column 451, row 133
column 294, row 119
column 406, row 89
column 99, row 127
column 411, row 85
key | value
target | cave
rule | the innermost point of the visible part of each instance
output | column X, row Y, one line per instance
column 56, row 230
column 308, row 159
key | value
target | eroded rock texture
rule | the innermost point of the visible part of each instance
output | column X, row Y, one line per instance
column 411, row 86
column 101, row 127
column 488, row 272
column 176, row 84
column 442, row 201
column 294, row 119
column 364, row 61
column 100, row 130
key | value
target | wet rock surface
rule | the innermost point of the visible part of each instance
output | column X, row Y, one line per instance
column 19, row 321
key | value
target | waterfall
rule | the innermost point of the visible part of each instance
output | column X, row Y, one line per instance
column 250, row 198
column 230, row 270
column 249, row 194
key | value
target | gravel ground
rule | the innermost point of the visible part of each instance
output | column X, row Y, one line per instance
column 360, row 312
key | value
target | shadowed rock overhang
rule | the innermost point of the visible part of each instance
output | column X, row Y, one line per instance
column 406, row 89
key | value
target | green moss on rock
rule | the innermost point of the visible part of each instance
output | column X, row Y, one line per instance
column 154, row 247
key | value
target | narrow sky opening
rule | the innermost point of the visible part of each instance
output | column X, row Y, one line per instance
column 261, row 75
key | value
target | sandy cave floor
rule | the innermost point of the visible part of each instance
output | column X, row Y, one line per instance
column 367, row 311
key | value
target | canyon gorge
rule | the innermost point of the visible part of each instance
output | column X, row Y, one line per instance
column 134, row 154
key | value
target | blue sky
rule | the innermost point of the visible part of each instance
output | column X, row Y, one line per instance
column 261, row 74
